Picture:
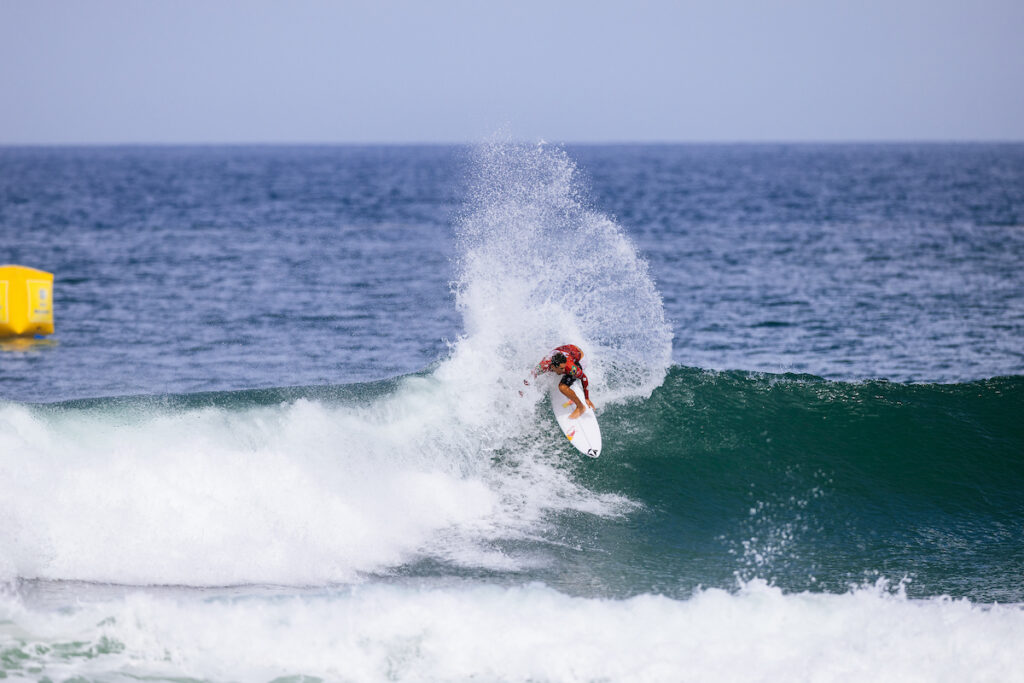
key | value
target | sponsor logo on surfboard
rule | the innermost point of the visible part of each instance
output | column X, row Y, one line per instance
column 571, row 434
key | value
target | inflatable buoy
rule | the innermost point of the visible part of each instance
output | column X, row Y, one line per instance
column 26, row 301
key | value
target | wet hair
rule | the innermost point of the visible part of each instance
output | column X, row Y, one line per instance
column 558, row 359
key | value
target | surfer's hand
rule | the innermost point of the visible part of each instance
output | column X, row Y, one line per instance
column 590, row 403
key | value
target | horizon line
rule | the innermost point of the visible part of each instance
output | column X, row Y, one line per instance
column 574, row 143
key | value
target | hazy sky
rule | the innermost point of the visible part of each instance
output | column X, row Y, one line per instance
column 108, row 71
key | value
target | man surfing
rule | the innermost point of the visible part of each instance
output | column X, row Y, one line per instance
column 565, row 361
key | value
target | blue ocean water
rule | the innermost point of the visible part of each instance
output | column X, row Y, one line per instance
column 277, row 433
column 194, row 269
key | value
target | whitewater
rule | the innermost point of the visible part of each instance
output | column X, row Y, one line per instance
column 433, row 525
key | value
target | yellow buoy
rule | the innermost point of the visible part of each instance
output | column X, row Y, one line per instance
column 26, row 301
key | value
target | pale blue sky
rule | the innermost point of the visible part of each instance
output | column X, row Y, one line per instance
column 140, row 71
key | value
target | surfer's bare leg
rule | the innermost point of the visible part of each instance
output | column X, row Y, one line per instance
column 571, row 395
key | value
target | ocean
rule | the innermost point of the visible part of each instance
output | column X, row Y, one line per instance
column 278, row 434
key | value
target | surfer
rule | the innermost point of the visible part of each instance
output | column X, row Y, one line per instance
column 565, row 361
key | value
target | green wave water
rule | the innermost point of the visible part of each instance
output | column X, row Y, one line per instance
column 819, row 484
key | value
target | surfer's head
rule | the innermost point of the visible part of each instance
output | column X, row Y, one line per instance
column 557, row 361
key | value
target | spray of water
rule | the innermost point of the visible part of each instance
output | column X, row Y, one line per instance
column 537, row 268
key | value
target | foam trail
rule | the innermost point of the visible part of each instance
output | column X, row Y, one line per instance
column 397, row 633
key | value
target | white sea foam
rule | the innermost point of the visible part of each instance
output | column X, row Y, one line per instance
column 296, row 494
column 380, row 632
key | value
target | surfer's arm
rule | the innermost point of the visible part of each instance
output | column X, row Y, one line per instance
column 582, row 377
column 538, row 370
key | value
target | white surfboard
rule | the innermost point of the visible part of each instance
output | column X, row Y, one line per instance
column 583, row 432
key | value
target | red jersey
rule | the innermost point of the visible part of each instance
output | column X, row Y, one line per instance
column 573, row 369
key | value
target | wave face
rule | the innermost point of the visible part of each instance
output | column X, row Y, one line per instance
column 806, row 483
column 819, row 484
